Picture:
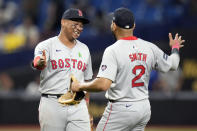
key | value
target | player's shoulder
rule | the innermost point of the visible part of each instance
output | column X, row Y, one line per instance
column 144, row 41
column 147, row 43
column 111, row 48
column 47, row 42
column 82, row 45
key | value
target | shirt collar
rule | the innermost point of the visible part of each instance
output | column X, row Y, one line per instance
column 129, row 38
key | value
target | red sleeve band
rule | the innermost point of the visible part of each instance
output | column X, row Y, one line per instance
column 177, row 45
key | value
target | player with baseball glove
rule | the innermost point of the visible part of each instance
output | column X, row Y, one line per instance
column 61, row 59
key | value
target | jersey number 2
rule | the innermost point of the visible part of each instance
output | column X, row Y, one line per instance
column 142, row 71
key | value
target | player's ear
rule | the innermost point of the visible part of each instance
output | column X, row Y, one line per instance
column 133, row 26
column 113, row 26
column 63, row 22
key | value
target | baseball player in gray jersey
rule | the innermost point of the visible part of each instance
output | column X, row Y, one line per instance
column 124, row 75
column 58, row 58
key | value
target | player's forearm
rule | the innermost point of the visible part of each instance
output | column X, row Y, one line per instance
column 91, row 87
column 175, row 58
column 175, row 61
column 97, row 85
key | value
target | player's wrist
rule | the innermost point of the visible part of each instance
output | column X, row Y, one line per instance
column 176, row 45
column 80, row 88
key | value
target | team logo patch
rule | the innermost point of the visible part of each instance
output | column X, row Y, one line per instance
column 165, row 56
column 40, row 52
column 103, row 67
column 58, row 50
column 80, row 13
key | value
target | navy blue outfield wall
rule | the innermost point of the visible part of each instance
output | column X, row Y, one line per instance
column 17, row 111
column 174, row 112
column 164, row 112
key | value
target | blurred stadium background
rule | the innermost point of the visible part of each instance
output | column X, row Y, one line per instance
column 24, row 23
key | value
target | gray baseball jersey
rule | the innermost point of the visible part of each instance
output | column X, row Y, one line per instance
column 128, row 63
column 61, row 63
column 55, row 79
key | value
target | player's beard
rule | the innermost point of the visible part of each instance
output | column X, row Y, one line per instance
column 114, row 36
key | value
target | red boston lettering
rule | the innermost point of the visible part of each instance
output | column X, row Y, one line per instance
column 84, row 67
column 61, row 63
column 54, row 64
column 79, row 65
column 67, row 62
column 74, row 61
